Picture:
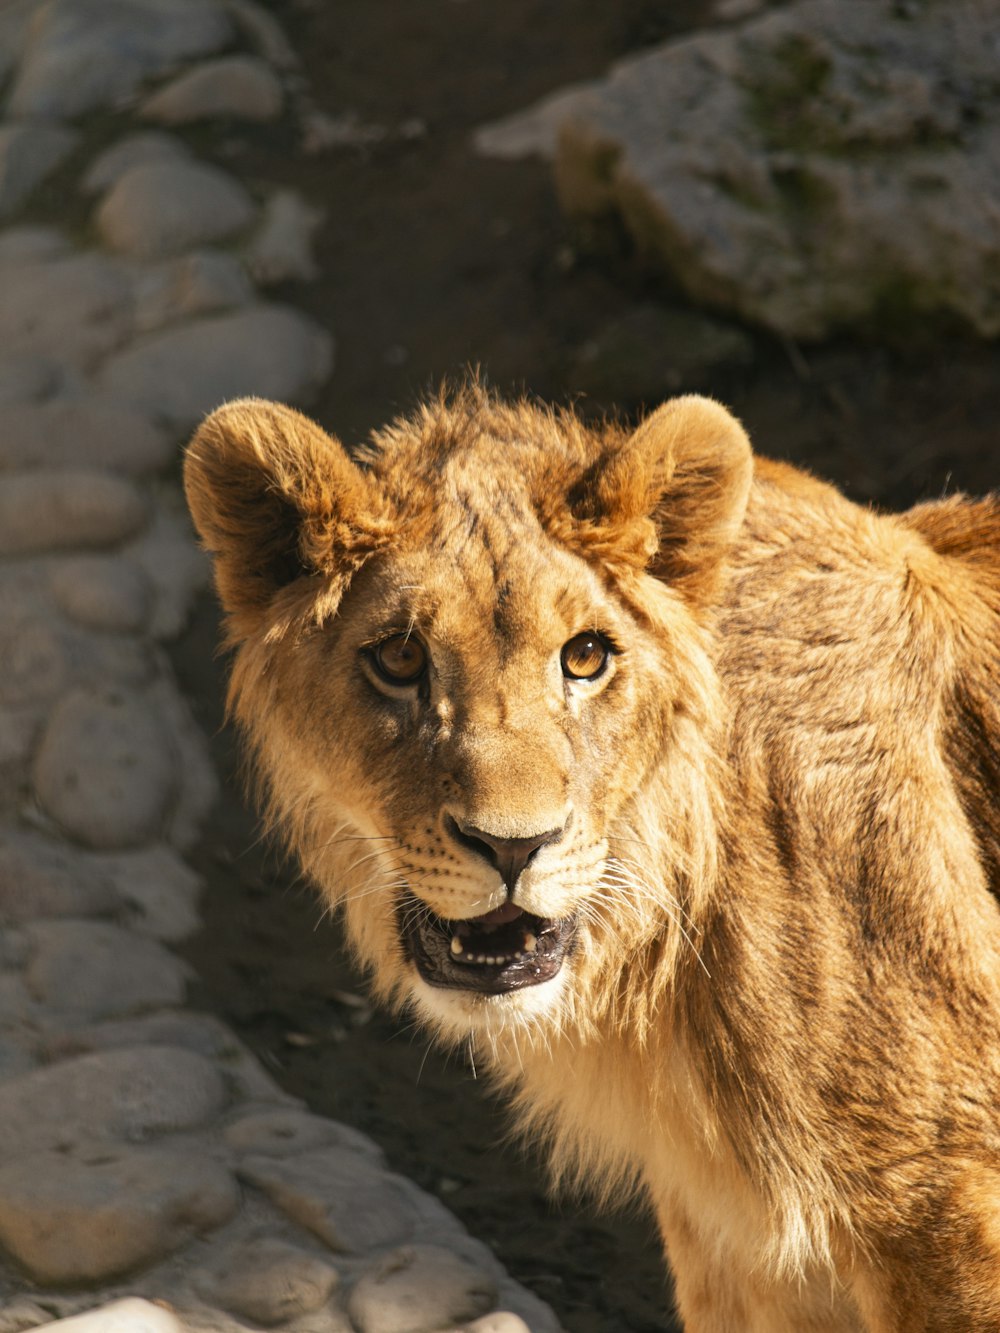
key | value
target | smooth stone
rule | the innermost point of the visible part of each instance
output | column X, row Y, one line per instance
column 106, row 770
column 72, row 309
column 240, row 87
column 176, row 566
column 103, row 592
column 131, row 1315
column 160, row 891
column 28, row 244
column 24, row 379
column 420, row 1289
column 501, row 1321
column 288, row 1132
column 198, row 786
column 348, row 1203
column 281, row 248
column 196, row 284
column 83, row 54
column 263, row 31
column 181, row 374
column 91, row 1215
column 19, row 728
column 42, row 878
column 93, row 431
column 92, row 970
column 125, row 1095
column 162, row 208
column 42, row 656
column 268, row 1281
column 29, row 153
column 50, row 511
column 135, row 150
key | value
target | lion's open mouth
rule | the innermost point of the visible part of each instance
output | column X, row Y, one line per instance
column 501, row 951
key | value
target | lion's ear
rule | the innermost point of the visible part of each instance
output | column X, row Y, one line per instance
column 273, row 498
column 688, row 468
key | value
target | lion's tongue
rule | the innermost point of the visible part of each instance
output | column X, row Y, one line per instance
column 500, row 916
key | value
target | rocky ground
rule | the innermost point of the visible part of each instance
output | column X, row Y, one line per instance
column 193, row 195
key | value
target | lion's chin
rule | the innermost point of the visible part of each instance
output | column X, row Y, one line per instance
column 494, row 954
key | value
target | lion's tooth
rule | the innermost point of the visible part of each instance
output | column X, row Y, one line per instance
column 456, row 946
column 530, row 943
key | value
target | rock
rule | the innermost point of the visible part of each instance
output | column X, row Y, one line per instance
column 349, row 1204
column 418, row 1289
column 131, row 1315
column 92, row 431
column 115, row 1096
column 50, row 511
column 162, row 208
column 135, row 150
column 268, row 1281
column 86, row 971
column 24, row 379
column 106, row 770
column 70, row 309
column 179, row 375
column 502, row 1321
column 19, row 728
column 83, row 54
column 196, row 284
column 241, row 87
column 91, row 1215
column 281, row 249
column 28, row 153
column 26, row 245
column 263, row 31
column 286, row 1133
column 814, row 169
column 104, row 592
column 198, row 786
column 42, row 878
column 41, row 656
column 161, row 890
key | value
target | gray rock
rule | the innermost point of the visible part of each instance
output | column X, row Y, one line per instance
column 19, row 728
column 502, row 1321
column 131, row 1315
column 263, row 31
column 84, row 54
column 241, row 87
column 88, row 1216
column 26, row 245
column 160, row 890
column 287, row 1132
column 42, row 878
column 348, row 1203
column 196, row 284
column 103, row 592
column 181, row 374
column 268, row 1281
column 50, row 511
column 106, row 770
column 817, row 168
column 162, row 208
column 92, row 432
column 281, row 249
column 23, row 379
column 41, row 657
column 135, row 150
column 70, row 309
column 29, row 153
column 85, row 971
column 115, row 1096
column 419, row 1289
column 198, row 786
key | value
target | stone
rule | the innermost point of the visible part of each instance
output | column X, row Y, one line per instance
column 72, row 309
column 85, row 971
column 196, row 284
column 93, row 1214
column 132, row 1315
column 287, row 1132
column 161, row 208
column 23, row 379
column 50, row 511
column 19, row 728
column 135, row 150
column 29, row 153
column 83, row 54
column 263, row 31
column 281, row 248
column 268, row 1281
column 93, row 431
column 419, row 1289
column 159, row 890
column 28, row 244
column 103, row 592
column 183, row 373
column 106, row 770
column 176, row 566
column 198, row 786
column 237, row 87
column 43, row 878
column 115, row 1096
column 501, row 1321
column 41, row 656
column 817, row 168
column 348, row 1203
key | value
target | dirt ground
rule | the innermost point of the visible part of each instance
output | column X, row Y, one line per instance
column 433, row 259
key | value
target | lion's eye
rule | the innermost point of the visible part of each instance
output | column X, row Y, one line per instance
column 584, row 657
column 401, row 659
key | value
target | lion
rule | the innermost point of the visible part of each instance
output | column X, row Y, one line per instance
column 664, row 779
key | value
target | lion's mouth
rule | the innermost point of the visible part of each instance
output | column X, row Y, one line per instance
column 503, row 950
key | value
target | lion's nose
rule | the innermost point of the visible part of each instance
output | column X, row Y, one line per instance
column 508, row 856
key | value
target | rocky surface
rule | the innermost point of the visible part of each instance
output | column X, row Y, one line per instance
column 817, row 168
column 153, row 1178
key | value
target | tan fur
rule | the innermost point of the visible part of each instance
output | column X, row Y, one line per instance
column 780, row 1020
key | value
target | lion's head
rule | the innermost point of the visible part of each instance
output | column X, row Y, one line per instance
column 470, row 658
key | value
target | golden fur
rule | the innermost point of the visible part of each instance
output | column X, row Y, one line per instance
column 779, row 1018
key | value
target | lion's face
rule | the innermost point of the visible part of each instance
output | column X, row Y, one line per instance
column 454, row 717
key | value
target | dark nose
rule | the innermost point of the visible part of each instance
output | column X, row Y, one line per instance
column 508, row 856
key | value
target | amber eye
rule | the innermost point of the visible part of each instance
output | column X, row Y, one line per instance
column 402, row 660
column 584, row 657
